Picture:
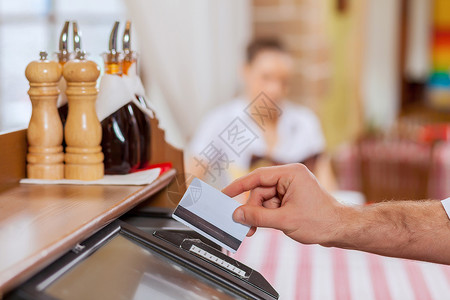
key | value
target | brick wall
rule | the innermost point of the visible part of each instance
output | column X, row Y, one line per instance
column 300, row 25
column 326, row 38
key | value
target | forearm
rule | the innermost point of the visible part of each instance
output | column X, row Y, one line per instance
column 416, row 230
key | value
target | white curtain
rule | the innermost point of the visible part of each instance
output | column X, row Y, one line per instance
column 380, row 75
column 191, row 53
column 418, row 40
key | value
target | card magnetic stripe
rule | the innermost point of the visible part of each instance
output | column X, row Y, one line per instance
column 207, row 227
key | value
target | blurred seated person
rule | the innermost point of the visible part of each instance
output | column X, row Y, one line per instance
column 259, row 128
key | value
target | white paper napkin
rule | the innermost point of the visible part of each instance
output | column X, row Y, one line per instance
column 116, row 91
column 138, row 178
column 113, row 94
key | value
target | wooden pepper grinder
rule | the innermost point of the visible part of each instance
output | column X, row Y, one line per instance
column 83, row 133
column 45, row 132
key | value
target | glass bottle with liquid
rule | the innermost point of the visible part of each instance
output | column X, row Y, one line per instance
column 63, row 57
column 130, row 58
column 120, row 130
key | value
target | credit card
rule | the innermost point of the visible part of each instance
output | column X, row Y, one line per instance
column 210, row 213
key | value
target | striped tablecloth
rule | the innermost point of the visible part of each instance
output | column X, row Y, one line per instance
column 313, row 272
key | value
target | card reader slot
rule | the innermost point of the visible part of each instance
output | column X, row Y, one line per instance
column 208, row 254
column 216, row 260
column 211, row 255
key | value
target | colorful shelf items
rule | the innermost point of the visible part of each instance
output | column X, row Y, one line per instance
column 439, row 81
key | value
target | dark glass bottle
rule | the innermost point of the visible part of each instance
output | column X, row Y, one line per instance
column 121, row 141
column 63, row 111
column 145, row 135
column 63, row 57
column 115, row 143
column 134, row 136
column 121, row 135
column 129, row 59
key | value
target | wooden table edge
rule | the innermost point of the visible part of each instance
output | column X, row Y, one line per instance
column 28, row 267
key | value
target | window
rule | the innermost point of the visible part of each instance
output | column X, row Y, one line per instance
column 29, row 26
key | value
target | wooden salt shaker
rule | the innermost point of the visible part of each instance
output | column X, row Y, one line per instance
column 83, row 133
column 45, row 132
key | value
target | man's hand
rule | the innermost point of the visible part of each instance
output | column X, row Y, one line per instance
column 290, row 199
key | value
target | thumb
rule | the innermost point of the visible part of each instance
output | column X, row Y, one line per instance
column 258, row 216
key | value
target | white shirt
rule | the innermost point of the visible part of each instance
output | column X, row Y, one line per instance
column 446, row 205
column 299, row 137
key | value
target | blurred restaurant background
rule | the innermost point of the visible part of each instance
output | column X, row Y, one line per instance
column 376, row 73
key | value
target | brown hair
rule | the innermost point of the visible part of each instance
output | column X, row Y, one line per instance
column 261, row 44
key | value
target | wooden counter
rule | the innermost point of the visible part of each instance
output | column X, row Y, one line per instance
column 39, row 223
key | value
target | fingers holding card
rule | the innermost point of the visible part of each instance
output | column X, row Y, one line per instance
column 210, row 213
